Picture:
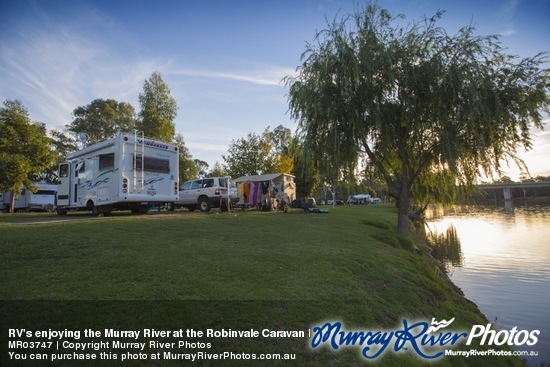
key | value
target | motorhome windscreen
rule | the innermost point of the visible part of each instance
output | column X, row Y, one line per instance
column 153, row 164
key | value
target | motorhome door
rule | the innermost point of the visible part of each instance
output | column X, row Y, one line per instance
column 64, row 184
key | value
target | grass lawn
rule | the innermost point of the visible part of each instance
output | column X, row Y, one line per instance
column 293, row 269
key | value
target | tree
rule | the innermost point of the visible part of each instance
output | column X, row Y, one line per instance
column 202, row 167
column 248, row 156
column 158, row 109
column 102, row 119
column 416, row 99
column 24, row 149
column 306, row 174
column 217, row 171
column 62, row 144
column 281, row 159
column 187, row 168
column 259, row 154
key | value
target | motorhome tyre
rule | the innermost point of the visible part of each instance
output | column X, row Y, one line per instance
column 95, row 211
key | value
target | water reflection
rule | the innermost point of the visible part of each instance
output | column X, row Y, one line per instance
column 446, row 247
column 503, row 265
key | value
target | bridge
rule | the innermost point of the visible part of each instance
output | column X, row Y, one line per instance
column 508, row 188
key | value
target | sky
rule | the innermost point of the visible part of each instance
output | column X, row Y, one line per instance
column 224, row 61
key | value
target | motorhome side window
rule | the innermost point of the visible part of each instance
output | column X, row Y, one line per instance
column 106, row 161
column 45, row 192
column 153, row 164
column 79, row 169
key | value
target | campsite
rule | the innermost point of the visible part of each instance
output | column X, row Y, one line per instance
column 240, row 269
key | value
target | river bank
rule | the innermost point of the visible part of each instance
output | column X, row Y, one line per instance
column 244, row 270
column 500, row 259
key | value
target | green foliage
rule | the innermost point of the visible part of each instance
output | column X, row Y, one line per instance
column 202, row 167
column 158, row 109
column 306, row 176
column 218, row 171
column 102, row 119
column 246, row 156
column 187, row 168
column 62, row 144
column 260, row 154
column 415, row 99
column 25, row 149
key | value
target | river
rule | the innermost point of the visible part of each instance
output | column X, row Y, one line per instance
column 503, row 265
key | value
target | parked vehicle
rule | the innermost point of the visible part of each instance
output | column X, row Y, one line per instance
column 207, row 193
column 361, row 199
column 124, row 172
column 41, row 200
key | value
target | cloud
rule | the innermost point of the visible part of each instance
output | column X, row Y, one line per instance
column 506, row 15
column 268, row 76
column 508, row 10
column 54, row 66
column 536, row 158
column 50, row 71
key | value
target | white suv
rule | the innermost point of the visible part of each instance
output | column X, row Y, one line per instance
column 206, row 193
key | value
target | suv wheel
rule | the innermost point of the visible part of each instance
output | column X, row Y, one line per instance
column 204, row 204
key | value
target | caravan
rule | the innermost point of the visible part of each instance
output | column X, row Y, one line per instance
column 43, row 199
column 124, row 172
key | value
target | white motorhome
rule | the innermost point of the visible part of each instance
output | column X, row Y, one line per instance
column 124, row 172
column 42, row 199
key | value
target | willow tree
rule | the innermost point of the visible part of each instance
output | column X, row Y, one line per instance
column 414, row 98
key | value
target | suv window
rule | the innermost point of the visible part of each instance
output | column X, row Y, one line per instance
column 209, row 182
column 186, row 186
column 196, row 184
